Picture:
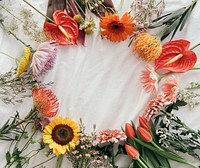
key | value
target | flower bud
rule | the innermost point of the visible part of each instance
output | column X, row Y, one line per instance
column 144, row 123
column 145, row 135
column 132, row 152
column 129, row 131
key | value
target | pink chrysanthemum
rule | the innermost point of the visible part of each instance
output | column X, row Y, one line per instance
column 170, row 88
column 110, row 136
column 154, row 106
column 149, row 79
column 43, row 59
column 45, row 101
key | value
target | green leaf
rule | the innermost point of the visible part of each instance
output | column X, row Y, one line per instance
column 181, row 103
column 131, row 165
column 174, row 15
column 8, row 157
column 166, row 154
column 152, row 158
column 163, row 161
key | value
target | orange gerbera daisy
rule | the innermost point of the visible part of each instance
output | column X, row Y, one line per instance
column 116, row 29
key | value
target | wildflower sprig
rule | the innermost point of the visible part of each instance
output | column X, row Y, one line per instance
column 175, row 133
column 13, row 89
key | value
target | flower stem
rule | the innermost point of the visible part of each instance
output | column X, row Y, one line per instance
column 43, row 162
column 18, row 39
column 38, row 11
column 113, row 157
column 141, row 163
column 195, row 46
column 8, row 56
column 154, row 144
column 59, row 161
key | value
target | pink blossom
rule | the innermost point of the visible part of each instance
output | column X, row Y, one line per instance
column 154, row 106
column 43, row 59
column 110, row 136
column 170, row 88
column 149, row 79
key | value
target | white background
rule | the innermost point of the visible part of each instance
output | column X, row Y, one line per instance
column 98, row 82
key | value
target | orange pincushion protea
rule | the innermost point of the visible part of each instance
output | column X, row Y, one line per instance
column 147, row 46
column 116, row 29
column 45, row 101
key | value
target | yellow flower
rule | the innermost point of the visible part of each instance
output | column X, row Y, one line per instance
column 61, row 135
column 24, row 62
column 147, row 46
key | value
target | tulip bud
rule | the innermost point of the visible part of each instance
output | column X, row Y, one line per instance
column 129, row 131
column 132, row 152
column 144, row 123
column 145, row 135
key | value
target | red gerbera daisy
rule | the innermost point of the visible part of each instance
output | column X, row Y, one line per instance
column 45, row 101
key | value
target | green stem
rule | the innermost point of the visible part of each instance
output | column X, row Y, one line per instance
column 195, row 46
column 8, row 56
column 141, row 163
column 38, row 11
column 113, row 157
column 195, row 69
column 18, row 39
column 44, row 162
column 59, row 161
column 154, row 144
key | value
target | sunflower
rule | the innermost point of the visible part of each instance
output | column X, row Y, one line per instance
column 61, row 135
column 116, row 29
column 147, row 46
column 24, row 62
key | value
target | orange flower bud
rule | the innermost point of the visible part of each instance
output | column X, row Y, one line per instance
column 145, row 135
column 144, row 123
column 129, row 131
column 132, row 152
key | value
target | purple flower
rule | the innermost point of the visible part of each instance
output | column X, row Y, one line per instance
column 43, row 59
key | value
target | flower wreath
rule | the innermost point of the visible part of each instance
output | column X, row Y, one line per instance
column 66, row 24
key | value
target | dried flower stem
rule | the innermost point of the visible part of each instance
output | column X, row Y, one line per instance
column 8, row 56
column 38, row 11
column 18, row 39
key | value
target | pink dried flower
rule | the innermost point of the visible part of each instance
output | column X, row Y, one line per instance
column 110, row 136
column 43, row 59
column 154, row 106
column 149, row 79
column 170, row 88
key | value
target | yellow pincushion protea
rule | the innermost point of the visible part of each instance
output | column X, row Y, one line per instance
column 147, row 46
column 61, row 135
column 24, row 62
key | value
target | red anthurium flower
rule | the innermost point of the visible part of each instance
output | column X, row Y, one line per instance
column 129, row 130
column 175, row 57
column 64, row 30
column 145, row 135
column 132, row 152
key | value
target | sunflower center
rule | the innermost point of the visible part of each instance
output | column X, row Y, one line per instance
column 62, row 134
column 116, row 26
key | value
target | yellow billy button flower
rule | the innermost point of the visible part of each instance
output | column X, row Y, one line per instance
column 61, row 134
column 129, row 131
column 144, row 134
column 147, row 46
column 132, row 152
column 24, row 62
